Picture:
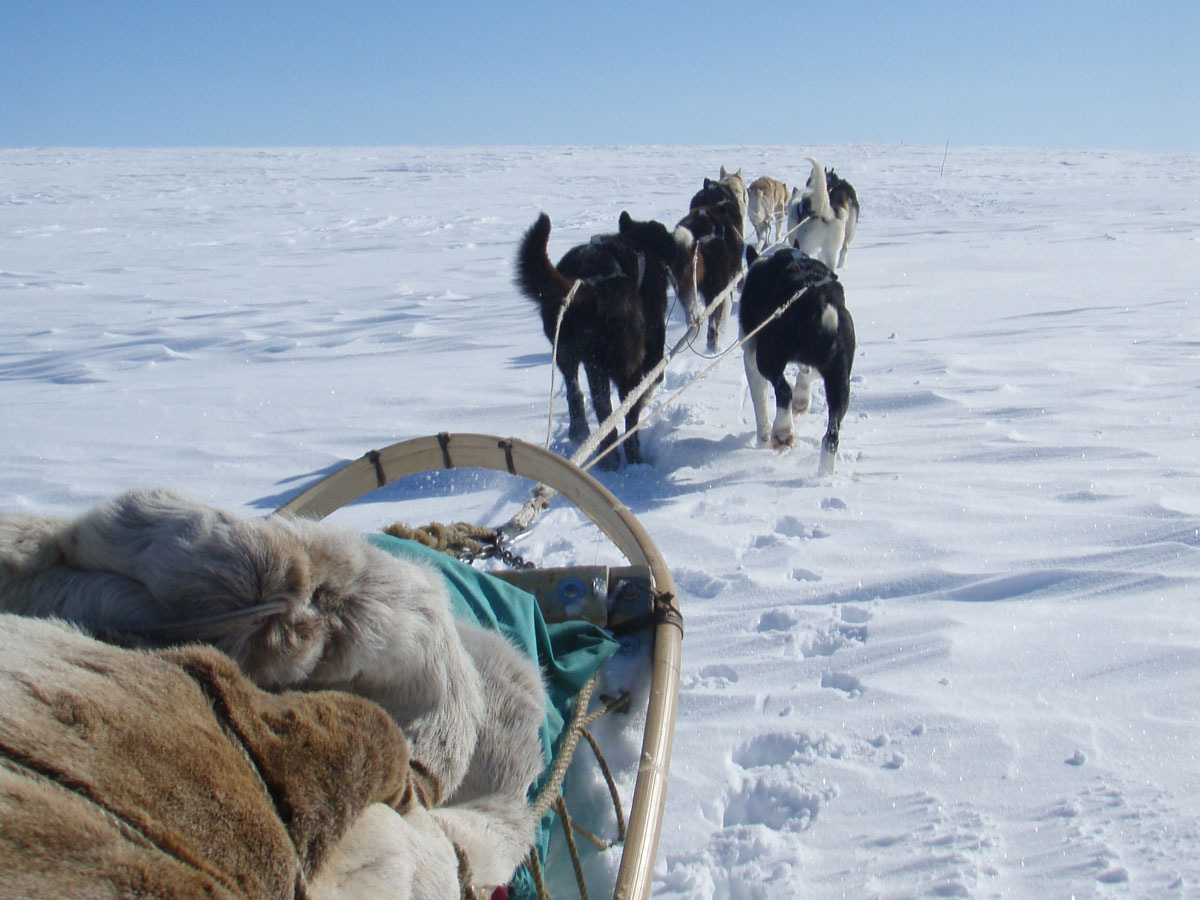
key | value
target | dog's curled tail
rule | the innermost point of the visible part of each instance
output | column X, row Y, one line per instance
column 819, row 192
column 536, row 276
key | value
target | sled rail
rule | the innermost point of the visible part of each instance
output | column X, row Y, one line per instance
column 378, row 468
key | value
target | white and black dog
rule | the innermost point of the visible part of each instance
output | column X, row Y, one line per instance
column 815, row 330
column 709, row 255
column 822, row 219
column 615, row 325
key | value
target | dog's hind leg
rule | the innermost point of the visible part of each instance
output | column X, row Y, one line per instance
column 714, row 327
column 633, row 447
column 783, row 433
column 717, row 321
column 758, row 394
column 578, row 429
column 598, row 383
column 837, row 393
column 802, row 392
column 851, row 224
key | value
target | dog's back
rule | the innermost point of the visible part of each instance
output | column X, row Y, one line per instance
column 806, row 335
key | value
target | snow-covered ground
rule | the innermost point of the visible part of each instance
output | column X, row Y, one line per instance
column 967, row 664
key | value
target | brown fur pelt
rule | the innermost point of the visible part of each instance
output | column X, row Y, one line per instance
column 168, row 774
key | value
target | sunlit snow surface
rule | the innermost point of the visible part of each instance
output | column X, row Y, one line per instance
column 965, row 665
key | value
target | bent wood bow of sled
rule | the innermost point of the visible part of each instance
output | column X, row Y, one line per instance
column 445, row 451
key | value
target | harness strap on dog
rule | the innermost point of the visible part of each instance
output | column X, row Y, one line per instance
column 601, row 239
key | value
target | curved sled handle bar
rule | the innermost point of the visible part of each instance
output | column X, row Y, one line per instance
column 447, row 451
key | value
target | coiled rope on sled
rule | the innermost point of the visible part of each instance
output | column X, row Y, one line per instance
column 551, row 795
column 462, row 540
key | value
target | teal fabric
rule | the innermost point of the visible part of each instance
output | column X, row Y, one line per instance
column 569, row 653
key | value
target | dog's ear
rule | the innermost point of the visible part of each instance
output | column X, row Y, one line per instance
column 724, row 174
column 708, row 182
column 624, row 222
column 751, row 255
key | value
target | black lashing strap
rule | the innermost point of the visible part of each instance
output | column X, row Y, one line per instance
column 372, row 456
column 507, row 446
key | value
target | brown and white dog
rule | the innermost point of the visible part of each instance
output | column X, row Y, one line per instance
column 709, row 241
column 822, row 219
column 767, row 208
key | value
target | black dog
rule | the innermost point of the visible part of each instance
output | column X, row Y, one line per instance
column 616, row 323
column 816, row 330
column 709, row 254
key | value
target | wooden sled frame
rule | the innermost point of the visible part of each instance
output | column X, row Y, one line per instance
column 447, row 451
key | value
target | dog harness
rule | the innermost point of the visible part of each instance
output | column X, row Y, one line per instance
column 599, row 239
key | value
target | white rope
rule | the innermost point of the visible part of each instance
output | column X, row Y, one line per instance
column 648, row 417
column 542, row 495
column 562, row 311
column 648, row 380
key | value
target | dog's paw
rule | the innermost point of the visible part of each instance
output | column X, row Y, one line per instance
column 609, row 462
column 800, row 406
column 783, row 441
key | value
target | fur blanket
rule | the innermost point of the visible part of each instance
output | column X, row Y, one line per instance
column 168, row 774
column 301, row 604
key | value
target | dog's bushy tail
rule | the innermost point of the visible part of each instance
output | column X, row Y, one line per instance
column 818, row 197
column 536, row 277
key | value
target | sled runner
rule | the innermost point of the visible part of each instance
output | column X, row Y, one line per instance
column 621, row 599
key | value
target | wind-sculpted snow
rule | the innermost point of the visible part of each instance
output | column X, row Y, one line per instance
column 966, row 665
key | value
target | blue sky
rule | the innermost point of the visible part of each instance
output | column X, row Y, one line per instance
column 361, row 72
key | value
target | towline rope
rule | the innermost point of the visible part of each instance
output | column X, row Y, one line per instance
column 542, row 495
column 562, row 311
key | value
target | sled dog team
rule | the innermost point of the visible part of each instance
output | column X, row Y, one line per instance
column 614, row 324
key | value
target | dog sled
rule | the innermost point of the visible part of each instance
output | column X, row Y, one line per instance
column 638, row 596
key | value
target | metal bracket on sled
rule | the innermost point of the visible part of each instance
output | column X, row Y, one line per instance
column 619, row 598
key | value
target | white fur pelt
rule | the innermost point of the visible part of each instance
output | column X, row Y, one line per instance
column 488, row 819
column 299, row 603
